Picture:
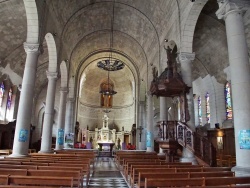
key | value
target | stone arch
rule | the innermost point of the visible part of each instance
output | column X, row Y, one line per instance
column 64, row 75
column 32, row 21
column 52, row 52
column 189, row 27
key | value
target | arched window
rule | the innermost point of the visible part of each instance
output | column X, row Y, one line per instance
column 1, row 93
column 9, row 100
column 229, row 112
column 207, row 108
column 199, row 111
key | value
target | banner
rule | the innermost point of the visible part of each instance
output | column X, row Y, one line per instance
column 244, row 139
column 23, row 135
column 149, row 139
column 69, row 139
column 60, row 137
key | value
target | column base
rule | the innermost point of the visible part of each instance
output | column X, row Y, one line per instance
column 149, row 149
column 241, row 171
column 189, row 159
column 17, row 155
column 50, row 151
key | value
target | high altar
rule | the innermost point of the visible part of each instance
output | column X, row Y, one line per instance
column 104, row 137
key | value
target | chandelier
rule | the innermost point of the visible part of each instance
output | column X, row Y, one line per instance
column 110, row 64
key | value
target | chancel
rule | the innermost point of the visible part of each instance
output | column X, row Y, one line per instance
column 168, row 77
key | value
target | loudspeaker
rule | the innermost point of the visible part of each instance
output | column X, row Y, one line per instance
column 217, row 125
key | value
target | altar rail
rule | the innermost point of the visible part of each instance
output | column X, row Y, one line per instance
column 200, row 145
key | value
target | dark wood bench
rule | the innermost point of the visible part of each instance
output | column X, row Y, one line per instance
column 40, row 180
column 159, row 182
column 147, row 174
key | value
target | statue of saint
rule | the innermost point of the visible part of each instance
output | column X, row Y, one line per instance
column 105, row 121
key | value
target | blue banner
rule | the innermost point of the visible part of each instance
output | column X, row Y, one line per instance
column 60, row 138
column 244, row 139
column 149, row 139
column 23, row 135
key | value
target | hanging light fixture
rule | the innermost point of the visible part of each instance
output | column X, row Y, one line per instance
column 110, row 64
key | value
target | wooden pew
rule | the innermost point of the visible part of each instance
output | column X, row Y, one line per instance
column 147, row 174
column 216, row 181
column 158, row 182
column 41, row 180
column 77, row 177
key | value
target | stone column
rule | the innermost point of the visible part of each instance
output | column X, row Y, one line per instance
column 49, row 113
column 61, row 119
column 150, row 115
column 69, row 118
column 22, row 132
column 141, row 143
column 163, row 115
column 186, row 71
column 240, row 77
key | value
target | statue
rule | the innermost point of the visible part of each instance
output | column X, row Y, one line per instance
column 105, row 121
column 171, row 62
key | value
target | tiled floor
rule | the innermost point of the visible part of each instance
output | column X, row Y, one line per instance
column 106, row 175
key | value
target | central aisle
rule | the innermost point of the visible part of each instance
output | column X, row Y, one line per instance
column 106, row 174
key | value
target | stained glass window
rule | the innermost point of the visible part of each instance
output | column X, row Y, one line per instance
column 207, row 108
column 9, row 100
column 199, row 111
column 1, row 93
column 229, row 112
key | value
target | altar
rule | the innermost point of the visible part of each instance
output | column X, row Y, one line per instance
column 104, row 139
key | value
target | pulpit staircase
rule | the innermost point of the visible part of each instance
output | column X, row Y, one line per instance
column 178, row 133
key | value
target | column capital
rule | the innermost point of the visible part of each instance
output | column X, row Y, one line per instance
column 227, row 7
column 64, row 90
column 51, row 75
column 186, row 56
column 31, row 48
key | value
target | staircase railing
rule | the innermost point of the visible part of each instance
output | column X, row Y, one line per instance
column 197, row 143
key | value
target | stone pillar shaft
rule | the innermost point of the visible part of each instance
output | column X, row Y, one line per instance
column 22, row 132
column 186, row 72
column 49, row 113
column 240, row 76
column 142, row 124
column 69, row 124
column 150, row 114
column 61, row 119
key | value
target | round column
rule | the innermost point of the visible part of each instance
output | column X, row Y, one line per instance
column 49, row 113
column 141, row 124
column 61, row 119
column 69, row 124
column 186, row 71
column 240, row 78
column 22, row 132
column 163, row 116
column 150, row 114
